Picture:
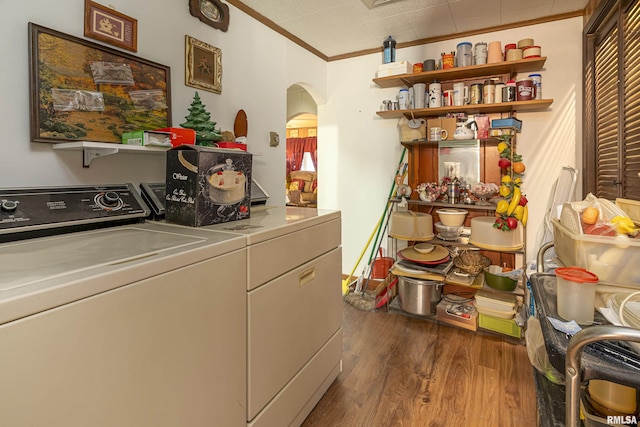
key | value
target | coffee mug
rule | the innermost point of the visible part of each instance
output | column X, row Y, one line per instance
column 460, row 94
column 447, row 98
column 438, row 134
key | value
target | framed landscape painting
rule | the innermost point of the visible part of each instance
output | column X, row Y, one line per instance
column 83, row 91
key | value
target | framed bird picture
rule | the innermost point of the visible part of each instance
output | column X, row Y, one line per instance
column 203, row 68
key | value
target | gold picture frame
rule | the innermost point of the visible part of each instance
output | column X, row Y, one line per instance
column 109, row 26
column 203, row 68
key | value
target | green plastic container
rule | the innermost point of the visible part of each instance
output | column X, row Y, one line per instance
column 503, row 326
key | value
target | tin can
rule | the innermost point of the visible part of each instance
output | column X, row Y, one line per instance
column 525, row 90
column 417, row 68
column 448, row 60
column 489, row 92
column 480, row 53
column 435, row 95
column 537, row 84
column 509, row 92
column 499, row 87
column 475, row 93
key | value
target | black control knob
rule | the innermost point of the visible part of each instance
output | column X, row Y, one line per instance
column 111, row 198
column 8, row 205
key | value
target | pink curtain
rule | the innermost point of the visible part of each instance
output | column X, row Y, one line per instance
column 296, row 147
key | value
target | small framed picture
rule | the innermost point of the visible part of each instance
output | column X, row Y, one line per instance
column 203, row 68
column 109, row 26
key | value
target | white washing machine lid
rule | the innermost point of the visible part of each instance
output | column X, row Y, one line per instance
column 272, row 222
column 38, row 274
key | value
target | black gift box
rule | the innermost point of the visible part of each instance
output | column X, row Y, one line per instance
column 207, row 185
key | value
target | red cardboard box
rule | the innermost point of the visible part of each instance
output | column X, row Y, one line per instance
column 181, row 136
column 232, row 145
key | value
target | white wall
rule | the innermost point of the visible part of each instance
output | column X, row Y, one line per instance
column 364, row 149
column 258, row 66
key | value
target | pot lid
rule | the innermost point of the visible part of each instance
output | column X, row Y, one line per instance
column 576, row 274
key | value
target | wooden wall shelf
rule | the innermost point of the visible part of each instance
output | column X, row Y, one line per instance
column 502, row 107
column 470, row 72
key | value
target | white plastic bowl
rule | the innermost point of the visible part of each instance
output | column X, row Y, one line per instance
column 452, row 217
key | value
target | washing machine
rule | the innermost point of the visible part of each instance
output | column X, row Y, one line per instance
column 294, row 309
column 107, row 320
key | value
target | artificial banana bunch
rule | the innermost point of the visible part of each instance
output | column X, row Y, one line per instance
column 624, row 225
column 515, row 200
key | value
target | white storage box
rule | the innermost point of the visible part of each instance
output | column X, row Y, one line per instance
column 615, row 260
column 495, row 304
column 395, row 68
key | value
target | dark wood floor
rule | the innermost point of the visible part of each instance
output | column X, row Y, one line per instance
column 402, row 371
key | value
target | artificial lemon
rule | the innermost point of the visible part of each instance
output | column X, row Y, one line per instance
column 506, row 179
column 505, row 190
column 502, row 206
column 502, row 146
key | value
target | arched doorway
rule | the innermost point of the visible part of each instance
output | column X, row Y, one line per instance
column 301, row 151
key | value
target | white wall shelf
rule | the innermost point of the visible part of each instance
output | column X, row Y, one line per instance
column 92, row 150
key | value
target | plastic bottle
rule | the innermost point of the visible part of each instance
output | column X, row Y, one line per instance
column 389, row 50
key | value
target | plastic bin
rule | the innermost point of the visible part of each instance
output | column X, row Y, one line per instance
column 493, row 304
column 503, row 326
column 615, row 260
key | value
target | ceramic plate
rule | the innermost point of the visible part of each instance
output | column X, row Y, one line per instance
column 437, row 256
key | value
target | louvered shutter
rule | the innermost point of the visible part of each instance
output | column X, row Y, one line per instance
column 631, row 103
column 606, row 113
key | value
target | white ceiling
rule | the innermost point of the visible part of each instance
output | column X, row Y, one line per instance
column 338, row 27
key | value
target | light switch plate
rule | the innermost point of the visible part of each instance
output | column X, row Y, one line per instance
column 274, row 139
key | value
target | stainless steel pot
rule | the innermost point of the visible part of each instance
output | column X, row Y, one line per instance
column 419, row 296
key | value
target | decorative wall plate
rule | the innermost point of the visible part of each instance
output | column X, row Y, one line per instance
column 212, row 12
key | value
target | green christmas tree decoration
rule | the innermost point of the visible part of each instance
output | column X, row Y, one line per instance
column 198, row 119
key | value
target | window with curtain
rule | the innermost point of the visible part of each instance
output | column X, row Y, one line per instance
column 612, row 101
column 296, row 147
